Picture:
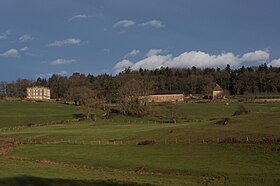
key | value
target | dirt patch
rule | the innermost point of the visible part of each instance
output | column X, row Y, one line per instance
column 6, row 144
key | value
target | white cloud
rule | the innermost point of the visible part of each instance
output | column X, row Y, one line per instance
column 48, row 75
column 153, row 23
column 4, row 35
column 193, row 58
column 25, row 38
column 152, row 62
column 122, row 65
column 62, row 61
column 24, row 49
column 124, row 23
column 153, row 52
column 275, row 63
column 258, row 55
column 134, row 52
column 79, row 16
column 10, row 53
column 66, row 42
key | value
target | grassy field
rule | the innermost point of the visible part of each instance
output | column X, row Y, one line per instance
column 106, row 152
column 17, row 113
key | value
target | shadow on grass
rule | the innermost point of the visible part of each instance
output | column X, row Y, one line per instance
column 79, row 116
column 36, row 181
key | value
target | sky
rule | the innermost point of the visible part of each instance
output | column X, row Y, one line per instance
column 39, row 38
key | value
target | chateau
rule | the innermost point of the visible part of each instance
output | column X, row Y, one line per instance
column 38, row 93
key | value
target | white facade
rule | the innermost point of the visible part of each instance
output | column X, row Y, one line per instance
column 39, row 93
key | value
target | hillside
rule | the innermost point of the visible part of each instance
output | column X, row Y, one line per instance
column 186, row 153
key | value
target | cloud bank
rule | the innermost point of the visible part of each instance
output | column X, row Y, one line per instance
column 198, row 59
column 275, row 63
column 64, row 43
column 48, row 75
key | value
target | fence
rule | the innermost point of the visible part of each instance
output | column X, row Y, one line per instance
column 161, row 141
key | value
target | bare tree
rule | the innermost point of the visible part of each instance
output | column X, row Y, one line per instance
column 133, row 97
column 85, row 97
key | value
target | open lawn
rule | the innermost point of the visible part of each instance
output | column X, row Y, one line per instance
column 191, row 152
column 18, row 113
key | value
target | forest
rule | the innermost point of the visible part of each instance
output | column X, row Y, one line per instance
column 249, row 81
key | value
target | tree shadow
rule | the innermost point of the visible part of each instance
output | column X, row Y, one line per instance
column 37, row 181
column 79, row 116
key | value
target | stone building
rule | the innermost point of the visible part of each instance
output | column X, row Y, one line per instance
column 218, row 92
column 165, row 98
column 38, row 93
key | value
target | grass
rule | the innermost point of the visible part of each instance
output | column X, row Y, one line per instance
column 17, row 113
column 106, row 152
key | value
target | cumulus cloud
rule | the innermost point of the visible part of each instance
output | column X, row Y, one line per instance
column 24, row 49
column 134, row 52
column 79, row 16
column 152, row 62
column 66, row 42
column 202, row 59
column 10, row 53
column 124, row 23
column 153, row 52
column 275, row 63
column 193, row 58
column 25, row 38
column 122, row 65
column 258, row 55
column 62, row 61
column 4, row 35
column 153, row 23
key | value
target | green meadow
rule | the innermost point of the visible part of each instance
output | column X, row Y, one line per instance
column 192, row 151
column 18, row 113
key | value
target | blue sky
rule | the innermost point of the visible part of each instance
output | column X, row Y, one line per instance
column 39, row 38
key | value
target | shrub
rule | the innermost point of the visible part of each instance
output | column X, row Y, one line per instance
column 146, row 142
column 224, row 121
column 240, row 111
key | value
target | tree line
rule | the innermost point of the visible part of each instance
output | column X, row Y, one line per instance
column 105, row 88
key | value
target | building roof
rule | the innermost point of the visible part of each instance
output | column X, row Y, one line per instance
column 165, row 92
column 38, row 87
column 218, row 88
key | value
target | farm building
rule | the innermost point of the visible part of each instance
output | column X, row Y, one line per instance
column 163, row 98
column 218, row 92
column 38, row 93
